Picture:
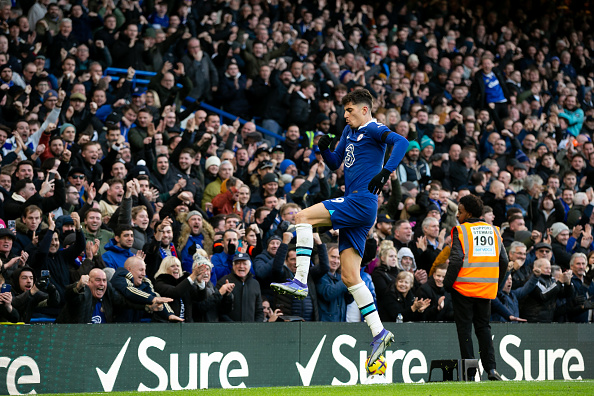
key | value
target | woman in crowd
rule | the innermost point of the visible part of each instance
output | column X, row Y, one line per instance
column 398, row 300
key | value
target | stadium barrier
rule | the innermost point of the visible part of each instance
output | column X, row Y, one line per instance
column 116, row 74
column 128, row 357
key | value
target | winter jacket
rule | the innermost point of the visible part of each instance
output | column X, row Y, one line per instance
column 539, row 305
column 393, row 303
column 432, row 313
column 80, row 305
column 115, row 256
column 289, row 305
column 508, row 304
column 181, row 290
column 333, row 298
column 247, row 300
column 576, row 311
column 210, row 303
column 383, row 277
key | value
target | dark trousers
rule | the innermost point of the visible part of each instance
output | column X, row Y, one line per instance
column 470, row 311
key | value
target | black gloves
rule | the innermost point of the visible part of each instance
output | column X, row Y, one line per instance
column 377, row 183
column 324, row 142
column 588, row 305
column 580, row 300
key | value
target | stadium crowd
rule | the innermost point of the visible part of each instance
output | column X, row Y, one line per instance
column 124, row 201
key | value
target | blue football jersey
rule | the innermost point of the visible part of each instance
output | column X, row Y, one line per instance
column 362, row 152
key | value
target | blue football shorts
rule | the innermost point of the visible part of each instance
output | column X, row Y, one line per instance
column 353, row 216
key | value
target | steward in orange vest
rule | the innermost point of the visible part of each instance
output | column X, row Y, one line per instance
column 478, row 263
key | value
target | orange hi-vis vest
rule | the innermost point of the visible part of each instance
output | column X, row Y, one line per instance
column 479, row 276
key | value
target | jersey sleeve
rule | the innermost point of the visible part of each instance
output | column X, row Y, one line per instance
column 385, row 135
column 334, row 158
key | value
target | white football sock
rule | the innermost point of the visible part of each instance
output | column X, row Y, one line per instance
column 364, row 300
column 304, row 248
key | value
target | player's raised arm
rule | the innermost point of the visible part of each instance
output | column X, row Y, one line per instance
column 332, row 158
column 400, row 146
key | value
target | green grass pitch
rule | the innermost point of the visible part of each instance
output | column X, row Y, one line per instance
column 436, row 388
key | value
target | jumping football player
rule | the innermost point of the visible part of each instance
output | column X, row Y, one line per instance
column 362, row 147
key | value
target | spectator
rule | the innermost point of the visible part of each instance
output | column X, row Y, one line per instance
column 440, row 308
column 211, row 301
column 539, row 305
column 180, row 287
column 130, row 281
column 117, row 250
column 33, row 297
column 247, row 301
column 195, row 234
column 285, row 266
column 580, row 302
column 506, row 307
column 94, row 300
column 399, row 300
column 384, row 275
column 333, row 296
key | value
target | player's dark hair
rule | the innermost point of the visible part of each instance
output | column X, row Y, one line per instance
column 358, row 96
column 473, row 205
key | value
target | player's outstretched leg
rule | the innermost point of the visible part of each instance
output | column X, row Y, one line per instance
column 382, row 338
column 298, row 285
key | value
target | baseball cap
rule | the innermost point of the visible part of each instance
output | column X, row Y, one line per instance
column 138, row 91
column 520, row 166
column 113, row 118
column 277, row 148
column 265, row 164
column 509, row 191
column 542, row 245
column 49, row 94
column 242, row 256
column 384, row 219
column 260, row 150
column 555, row 58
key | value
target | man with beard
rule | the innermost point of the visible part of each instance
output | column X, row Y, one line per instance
column 117, row 250
column 574, row 115
column 190, row 173
column 166, row 179
column 59, row 262
column 113, row 199
column 144, row 128
column 412, row 168
column 92, row 229
column 195, row 234
column 160, row 246
column 88, row 159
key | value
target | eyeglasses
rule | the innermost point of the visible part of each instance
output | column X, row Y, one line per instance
column 78, row 177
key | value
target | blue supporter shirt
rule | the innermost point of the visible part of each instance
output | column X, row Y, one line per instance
column 493, row 90
column 98, row 315
column 362, row 152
